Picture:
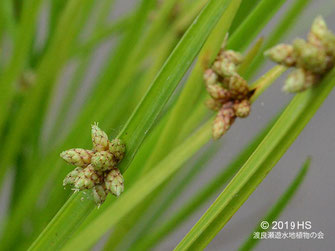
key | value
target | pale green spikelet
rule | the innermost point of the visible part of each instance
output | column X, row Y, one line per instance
column 295, row 81
column 226, row 63
column 282, row 54
column 224, row 68
column 72, row 176
column 77, row 156
column 99, row 138
column 238, row 87
column 320, row 30
column 322, row 37
column 228, row 68
column 242, row 108
column 114, row 182
column 100, row 193
column 309, row 56
column 118, row 149
column 87, row 178
column 103, row 161
column 299, row 80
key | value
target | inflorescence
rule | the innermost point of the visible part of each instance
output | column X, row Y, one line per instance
column 230, row 93
column 96, row 169
column 312, row 58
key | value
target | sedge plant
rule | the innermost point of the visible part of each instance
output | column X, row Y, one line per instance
column 138, row 133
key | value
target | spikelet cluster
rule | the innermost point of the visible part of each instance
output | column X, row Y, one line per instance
column 312, row 59
column 229, row 92
column 96, row 169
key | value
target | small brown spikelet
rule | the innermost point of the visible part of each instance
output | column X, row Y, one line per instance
column 103, row 161
column 77, row 156
column 242, row 108
column 217, row 91
column 114, row 182
column 99, row 138
column 87, row 178
column 72, row 176
column 223, row 120
column 238, row 87
column 100, row 193
column 117, row 148
column 214, row 104
column 214, row 87
column 231, row 56
column 210, row 77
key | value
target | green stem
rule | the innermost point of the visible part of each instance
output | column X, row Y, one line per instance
column 75, row 211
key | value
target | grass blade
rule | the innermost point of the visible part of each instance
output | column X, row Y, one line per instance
column 50, row 241
column 280, row 205
column 253, row 24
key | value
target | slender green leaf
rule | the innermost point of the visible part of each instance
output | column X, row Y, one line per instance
column 246, row 8
column 253, row 24
column 75, row 210
column 280, row 205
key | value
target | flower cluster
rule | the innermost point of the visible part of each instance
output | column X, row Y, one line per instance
column 312, row 58
column 96, row 169
column 229, row 92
